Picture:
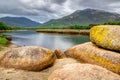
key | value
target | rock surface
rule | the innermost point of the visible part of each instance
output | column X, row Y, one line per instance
column 59, row 54
column 27, row 58
column 106, row 36
column 13, row 74
column 77, row 71
column 90, row 53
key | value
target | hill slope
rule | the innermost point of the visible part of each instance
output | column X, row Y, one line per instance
column 19, row 22
column 84, row 17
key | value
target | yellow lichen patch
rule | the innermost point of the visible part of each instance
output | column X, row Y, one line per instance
column 98, row 34
column 106, row 36
column 108, row 41
column 49, row 52
column 90, row 57
column 106, row 63
column 90, row 53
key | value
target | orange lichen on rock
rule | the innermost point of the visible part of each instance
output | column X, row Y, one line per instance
column 90, row 53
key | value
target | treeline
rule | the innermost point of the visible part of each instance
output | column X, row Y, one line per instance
column 3, row 26
column 69, row 27
column 78, row 27
column 112, row 23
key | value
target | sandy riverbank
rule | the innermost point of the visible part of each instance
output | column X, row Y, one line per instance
column 64, row 31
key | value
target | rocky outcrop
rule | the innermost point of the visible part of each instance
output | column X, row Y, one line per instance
column 27, row 58
column 13, row 74
column 106, row 36
column 90, row 53
column 59, row 54
column 77, row 71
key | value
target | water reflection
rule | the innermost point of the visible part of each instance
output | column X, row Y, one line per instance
column 51, row 41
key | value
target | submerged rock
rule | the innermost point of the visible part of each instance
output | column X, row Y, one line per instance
column 77, row 71
column 90, row 53
column 106, row 36
column 8, row 38
column 27, row 58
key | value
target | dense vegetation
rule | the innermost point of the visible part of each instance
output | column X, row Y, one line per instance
column 3, row 40
column 112, row 23
column 69, row 27
column 79, row 27
column 3, row 26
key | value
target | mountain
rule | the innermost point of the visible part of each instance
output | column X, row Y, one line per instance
column 19, row 22
column 84, row 17
column 50, row 21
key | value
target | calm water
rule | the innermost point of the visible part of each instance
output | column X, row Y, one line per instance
column 51, row 41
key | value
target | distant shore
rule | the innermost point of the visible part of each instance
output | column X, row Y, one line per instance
column 7, row 30
column 64, row 31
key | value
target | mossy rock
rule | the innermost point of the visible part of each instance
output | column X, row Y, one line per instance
column 90, row 53
column 106, row 36
column 31, row 58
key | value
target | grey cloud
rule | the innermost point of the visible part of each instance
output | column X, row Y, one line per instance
column 44, row 10
column 58, row 1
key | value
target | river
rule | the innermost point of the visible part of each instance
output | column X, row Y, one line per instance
column 51, row 41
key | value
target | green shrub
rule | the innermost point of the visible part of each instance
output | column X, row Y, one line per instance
column 3, row 41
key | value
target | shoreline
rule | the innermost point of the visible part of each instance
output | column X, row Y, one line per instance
column 7, row 30
column 59, row 31
column 64, row 31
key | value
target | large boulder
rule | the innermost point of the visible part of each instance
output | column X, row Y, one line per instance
column 59, row 63
column 27, row 58
column 106, row 36
column 90, row 53
column 77, row 71
column 15, row 74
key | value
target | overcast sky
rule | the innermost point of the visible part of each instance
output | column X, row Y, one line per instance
column 44, row 10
